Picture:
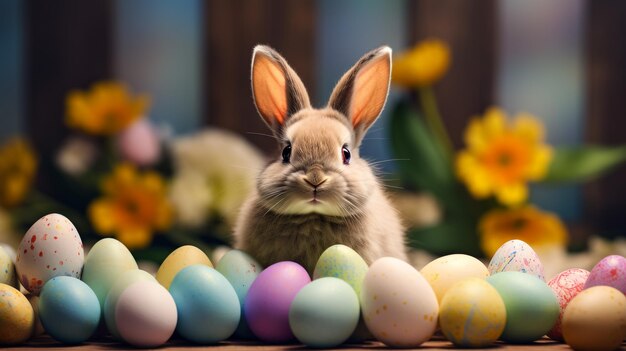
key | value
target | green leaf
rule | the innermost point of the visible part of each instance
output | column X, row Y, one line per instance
column 422, row 161
column 580, row 164
column 455, row 235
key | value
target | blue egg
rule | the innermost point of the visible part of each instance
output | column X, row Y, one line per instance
column 69, row 310
column 241, row 270
column 208, row 307
column 324, row 313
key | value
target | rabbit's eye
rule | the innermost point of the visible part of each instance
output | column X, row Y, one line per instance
column 287, row 153
column 345, row 153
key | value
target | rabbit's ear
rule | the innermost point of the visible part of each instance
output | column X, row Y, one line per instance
column 277, row 90
column 362, row 91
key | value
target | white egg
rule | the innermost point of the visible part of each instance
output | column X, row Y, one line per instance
column 51, row 247
column 516, row 256
column 399, row 306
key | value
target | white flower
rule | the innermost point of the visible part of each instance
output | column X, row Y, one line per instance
column 76, row 156
column 140, row 143
column 214, row 172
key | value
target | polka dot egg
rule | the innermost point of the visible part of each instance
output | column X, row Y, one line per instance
column 51, row 247
column 516, row 256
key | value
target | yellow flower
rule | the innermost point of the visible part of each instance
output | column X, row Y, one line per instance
column 502, row 157
column 535, row 227
column 134, row 205
column 104, row 110
column 18, row 165
column 421, row 66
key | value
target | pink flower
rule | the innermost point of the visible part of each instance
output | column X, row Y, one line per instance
column 140, row 143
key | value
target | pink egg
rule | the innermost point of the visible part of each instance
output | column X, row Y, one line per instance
column 269, row 298
column 145, row 314
column 566, row 285
column 51, row 247
column 610, row 271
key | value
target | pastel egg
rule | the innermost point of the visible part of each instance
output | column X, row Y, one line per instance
column 121, row 283
column 50, row 248
column 610, row 271
column 446, row 271
column 531, row 306
column 17, row 318
column 240, row 270
column 566, row 285
column 105, row 262
column 69, row 310
column 145, row 314
column 324, row 313
column 516, row 256
column 269, row 298
column 398, row 305
column 342, row 262
column 208, row 306
column 7, row 269
column 595, row 319
column 472, row 313
column 180, row 258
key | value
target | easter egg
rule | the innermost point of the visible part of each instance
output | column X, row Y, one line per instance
column 145, row 314
column 398, row 305
column 17, row 318
column 445, row 271
column 595, row 319
column 269, row 298
column 121, row 283
column 472, row 313
column 566, row 285
column 342, row 262
column 208, row 306
column 324, row 313
column 516, row 256
column 34, row 303
column 50, row 248
column 610, row 271
column 180, row 258
column 69, row 310
column 240, row 270
column 531, row 306
column 104, row 263
column 7, row 269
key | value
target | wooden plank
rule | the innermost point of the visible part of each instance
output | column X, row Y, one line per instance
column 67, row 46
column 469, row 28
column 233, row 28
column 605, row 202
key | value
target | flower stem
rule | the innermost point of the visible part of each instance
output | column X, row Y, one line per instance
column 433, row 118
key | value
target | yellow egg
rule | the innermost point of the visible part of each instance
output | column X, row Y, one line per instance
column 7, row 269
column 180, row 258
column 445, row 271
column 17, row 318
column 472, row 313
column 595, row 319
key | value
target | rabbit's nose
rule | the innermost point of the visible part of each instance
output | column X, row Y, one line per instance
column 315, row 177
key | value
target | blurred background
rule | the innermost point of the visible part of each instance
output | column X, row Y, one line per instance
column 563, row 61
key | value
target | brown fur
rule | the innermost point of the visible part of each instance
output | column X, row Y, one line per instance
column 279, row 221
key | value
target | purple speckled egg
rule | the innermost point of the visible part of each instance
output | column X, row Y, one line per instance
column 50, row 248
column 269, row 298
column 610, row 271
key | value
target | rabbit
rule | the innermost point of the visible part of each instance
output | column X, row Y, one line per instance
column 319, row 192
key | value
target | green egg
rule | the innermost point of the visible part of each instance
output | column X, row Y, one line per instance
column 340, row 261
column 105, row 262
column 531, row 307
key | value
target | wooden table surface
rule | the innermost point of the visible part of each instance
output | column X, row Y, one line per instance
column 437, row 343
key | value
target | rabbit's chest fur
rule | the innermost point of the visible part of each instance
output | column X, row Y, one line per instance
column 270, row 237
